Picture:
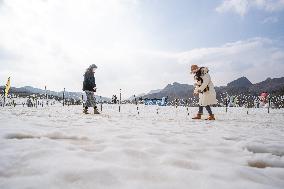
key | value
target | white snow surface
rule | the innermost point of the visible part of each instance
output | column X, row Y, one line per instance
column 59, row 147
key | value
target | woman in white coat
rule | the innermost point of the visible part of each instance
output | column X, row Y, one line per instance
column 204, row 88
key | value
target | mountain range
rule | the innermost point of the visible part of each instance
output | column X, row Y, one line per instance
column 28, row 90
column 176, row 90
column 239, row 86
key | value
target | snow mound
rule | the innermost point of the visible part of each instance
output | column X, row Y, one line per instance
column 54, row 136
column 20, row 136
column 274, row 149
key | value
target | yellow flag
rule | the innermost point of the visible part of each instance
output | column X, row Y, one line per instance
column 7, row 88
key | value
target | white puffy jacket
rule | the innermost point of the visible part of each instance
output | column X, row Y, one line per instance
column 208, row 97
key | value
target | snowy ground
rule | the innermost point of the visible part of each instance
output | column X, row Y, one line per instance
column 59, row 147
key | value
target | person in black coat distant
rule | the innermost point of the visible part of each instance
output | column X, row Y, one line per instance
column 89, row 86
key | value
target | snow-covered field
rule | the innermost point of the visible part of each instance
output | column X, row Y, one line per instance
column 59, row 147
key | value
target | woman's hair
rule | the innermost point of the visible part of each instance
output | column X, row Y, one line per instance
column 90, row 68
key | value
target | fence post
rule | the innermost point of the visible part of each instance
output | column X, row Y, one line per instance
column 45, row 92
column 176, row 102
column 4, row 99
column 36, row 101
column 137, row 108
column 186, row 103
column 63, row 96
column 226, row 99
column 101, row 103
column 83, row 101
column 119, row 100
column 268, row 110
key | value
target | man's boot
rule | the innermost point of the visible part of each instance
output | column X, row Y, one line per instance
column 211, row 117
column 85, row 111
column 198, row 116
column 96, row 111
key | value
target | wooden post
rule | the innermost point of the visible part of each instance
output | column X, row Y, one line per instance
column 36, row 101
column 247, row 105
column 119, row 100
column 186, row 103
column 4, row 99
column 63, row 96
column 83, row 101
column 120, row 95
column 135, row 100
column 176, row 100
column 268, row 110
column 45, row 92
column 101, row 103
column 226, row 103
column 136, row 104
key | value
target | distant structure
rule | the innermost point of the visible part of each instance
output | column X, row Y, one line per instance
column 233, row 101
column 156, row 101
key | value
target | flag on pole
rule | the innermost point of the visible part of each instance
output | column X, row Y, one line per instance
column 7, row 88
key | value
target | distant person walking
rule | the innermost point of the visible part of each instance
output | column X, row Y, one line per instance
column 204, row 88
column 89, row 86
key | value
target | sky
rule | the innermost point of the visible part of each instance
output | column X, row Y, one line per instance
column 138, row 45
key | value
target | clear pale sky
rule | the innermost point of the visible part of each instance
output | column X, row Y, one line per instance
column 138, row 45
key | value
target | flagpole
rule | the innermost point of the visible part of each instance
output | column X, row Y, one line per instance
column 4, row 96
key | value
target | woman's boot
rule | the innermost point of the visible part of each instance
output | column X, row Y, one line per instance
column 211, row 117
column 198, row 116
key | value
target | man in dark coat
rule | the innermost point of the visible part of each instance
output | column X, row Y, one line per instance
column 89, row 86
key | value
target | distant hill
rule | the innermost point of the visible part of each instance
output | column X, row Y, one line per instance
column 175, row 90
column 136, row 96
column 269, row 85
column 239, row 83
column 155, row 91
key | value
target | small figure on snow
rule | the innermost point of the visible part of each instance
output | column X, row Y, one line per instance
column 29, row 102
column 114, row 99
column 89, row 86
column 204, row 88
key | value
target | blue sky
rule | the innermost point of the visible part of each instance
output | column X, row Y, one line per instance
column 187, row 24
column 139, row 45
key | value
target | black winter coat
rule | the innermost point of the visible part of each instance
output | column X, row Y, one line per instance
column 89, row 82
